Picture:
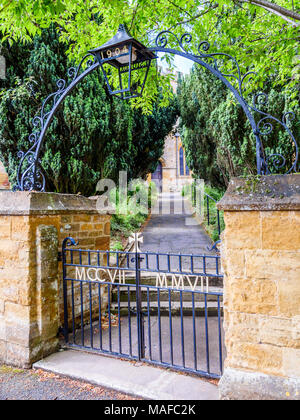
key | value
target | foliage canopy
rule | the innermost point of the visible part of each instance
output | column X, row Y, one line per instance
column 261, row 34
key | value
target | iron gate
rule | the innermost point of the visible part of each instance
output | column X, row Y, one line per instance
column 158, row 308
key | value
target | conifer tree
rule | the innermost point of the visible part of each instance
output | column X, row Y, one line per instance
column 93, row 135
column 217, row 135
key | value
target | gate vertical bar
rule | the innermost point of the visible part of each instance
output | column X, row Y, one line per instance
column 207, row 210
column 65, row 292
column 139, row 315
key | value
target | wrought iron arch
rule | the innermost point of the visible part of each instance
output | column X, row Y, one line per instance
column 30, row 176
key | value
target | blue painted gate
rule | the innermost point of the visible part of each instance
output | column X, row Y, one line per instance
column 159, row 308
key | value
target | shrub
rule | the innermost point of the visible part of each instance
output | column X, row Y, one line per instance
column 131, row 214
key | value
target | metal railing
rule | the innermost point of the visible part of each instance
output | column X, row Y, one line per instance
column 207, row 215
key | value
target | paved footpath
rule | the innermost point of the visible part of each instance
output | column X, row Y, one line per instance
column 131, row 377
column 172, row 228
column 18, row 384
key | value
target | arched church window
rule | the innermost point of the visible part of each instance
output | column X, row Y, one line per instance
column 181, row 161
column 187, row 169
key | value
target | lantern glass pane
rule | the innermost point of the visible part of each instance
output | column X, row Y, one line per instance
column 132, row 80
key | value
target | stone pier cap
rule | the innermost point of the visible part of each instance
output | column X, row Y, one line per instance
column 43, row 203
column 264, row 193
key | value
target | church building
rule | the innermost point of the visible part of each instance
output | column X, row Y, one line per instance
column 172, row 172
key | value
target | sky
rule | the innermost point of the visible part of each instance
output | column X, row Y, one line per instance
column 182, row 64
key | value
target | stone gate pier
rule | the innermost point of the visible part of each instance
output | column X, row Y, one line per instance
column 32, row 228
column 261, row 260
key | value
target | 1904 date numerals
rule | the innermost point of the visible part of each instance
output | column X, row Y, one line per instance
column 114, row 53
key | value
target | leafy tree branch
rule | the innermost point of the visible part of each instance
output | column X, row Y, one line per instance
column 280, row 11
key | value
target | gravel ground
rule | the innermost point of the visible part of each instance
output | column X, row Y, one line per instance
column 17, row 384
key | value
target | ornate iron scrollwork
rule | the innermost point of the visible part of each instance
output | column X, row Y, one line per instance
column 265, row 127
column 203, row 54
column 67, row 242
column 30, row 176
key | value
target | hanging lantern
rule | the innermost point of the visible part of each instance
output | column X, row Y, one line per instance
column 125, row 54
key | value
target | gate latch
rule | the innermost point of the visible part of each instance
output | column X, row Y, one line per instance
column 59, row 257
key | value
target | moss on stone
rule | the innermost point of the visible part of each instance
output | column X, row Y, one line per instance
column 8, row 369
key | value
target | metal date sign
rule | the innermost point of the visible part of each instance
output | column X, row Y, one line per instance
column 101, row 275
column 164, row 281
column 179, row 282
column 125, row 62
column 117, row 52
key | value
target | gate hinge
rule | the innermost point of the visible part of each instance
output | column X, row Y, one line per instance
column 59, row 257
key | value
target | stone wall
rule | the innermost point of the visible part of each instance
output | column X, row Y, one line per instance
column 91, row 231
column 261, row 261
column 23, row 259
column 32, row 228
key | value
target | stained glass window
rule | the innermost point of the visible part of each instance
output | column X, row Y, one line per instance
column 181, row 161
column 187, row 170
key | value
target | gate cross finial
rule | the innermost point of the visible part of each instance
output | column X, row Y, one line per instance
column 137, row 238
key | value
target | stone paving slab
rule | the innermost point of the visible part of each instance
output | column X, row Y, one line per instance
column 129, row 377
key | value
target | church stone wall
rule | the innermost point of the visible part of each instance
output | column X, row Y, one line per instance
column 171, row 180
